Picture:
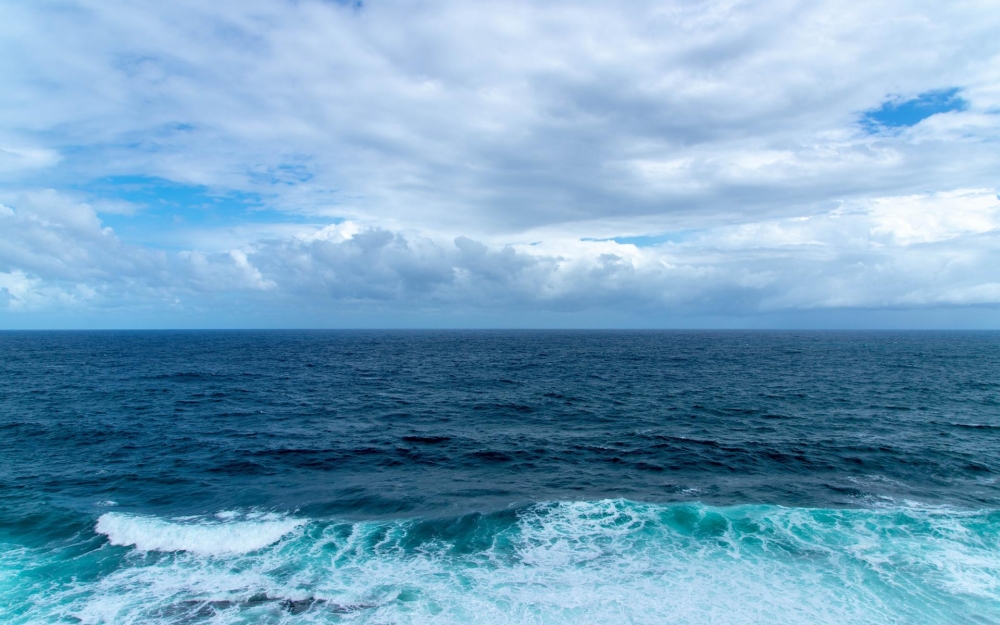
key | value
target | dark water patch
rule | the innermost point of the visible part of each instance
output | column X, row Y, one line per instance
column 489, row 455
column 242, row 467
column 975, row 426
column 428, row 440
column 200, row 610
column 218, row 420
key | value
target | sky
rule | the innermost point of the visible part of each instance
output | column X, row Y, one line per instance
column 675, row 164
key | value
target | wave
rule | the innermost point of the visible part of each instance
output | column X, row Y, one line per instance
column 226, row 534
column 602, row 561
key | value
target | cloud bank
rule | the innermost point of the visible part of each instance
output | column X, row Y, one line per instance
column 317, row 163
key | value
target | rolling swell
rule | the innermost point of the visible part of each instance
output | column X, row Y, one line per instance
column 607, row 561
column 419, row 420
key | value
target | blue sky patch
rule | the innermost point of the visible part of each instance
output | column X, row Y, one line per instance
column 648, row 240
column 166, row 206
column 191, row 202
column 895, row 113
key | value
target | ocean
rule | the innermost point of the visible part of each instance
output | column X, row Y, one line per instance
column 499, row 477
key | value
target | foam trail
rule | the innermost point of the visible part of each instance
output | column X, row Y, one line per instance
column 202, row 537
column 609, row 561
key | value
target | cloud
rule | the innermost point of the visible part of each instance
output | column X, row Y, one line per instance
column 15, row 160
column 58, row 254
column 515, row 115
column 675, row 158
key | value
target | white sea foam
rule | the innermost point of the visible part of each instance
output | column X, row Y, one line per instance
column 235, row 534
column 571, row 562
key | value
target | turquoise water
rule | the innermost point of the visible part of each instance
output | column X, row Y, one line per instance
column 605, row 561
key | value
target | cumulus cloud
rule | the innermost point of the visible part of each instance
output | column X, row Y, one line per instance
column 58, row 254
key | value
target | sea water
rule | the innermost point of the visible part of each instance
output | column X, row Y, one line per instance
column 499, row 477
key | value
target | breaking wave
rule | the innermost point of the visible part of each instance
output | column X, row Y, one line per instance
column 228, row 533
column 566, row 562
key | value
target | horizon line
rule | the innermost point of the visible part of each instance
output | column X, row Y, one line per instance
column 499, row 329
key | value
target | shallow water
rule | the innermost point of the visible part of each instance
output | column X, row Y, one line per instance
column 380, row 477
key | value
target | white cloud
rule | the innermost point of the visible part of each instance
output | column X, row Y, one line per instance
column 445, row 115
column 56, row 253
column 444, row 138
column 14, row 160
column 928, row 218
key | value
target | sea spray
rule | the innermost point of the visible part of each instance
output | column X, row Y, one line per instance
column 223, row 535
column 561, row 562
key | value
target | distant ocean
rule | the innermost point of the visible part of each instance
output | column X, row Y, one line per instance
column 499, row 477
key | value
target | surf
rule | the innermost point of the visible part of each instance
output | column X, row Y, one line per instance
column 226, row 534
column 557, row 562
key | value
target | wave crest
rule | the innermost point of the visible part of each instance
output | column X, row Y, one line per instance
column 558, row 562
column 226, row 534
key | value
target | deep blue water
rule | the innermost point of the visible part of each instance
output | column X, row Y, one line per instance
column 383, row 477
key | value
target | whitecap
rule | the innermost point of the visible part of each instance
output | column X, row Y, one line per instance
column 234, row 535
column 557, row 562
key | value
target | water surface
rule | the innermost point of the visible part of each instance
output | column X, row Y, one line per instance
column 379, row 477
